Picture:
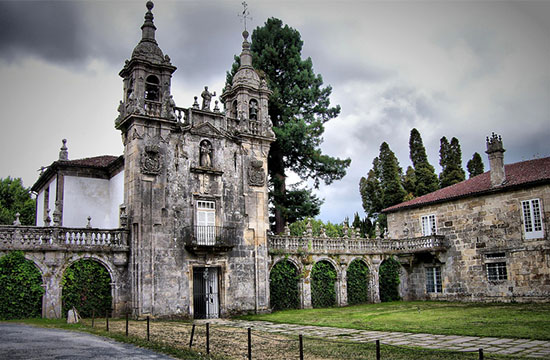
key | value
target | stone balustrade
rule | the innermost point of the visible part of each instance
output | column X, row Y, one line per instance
column 326, row 245
column 62, row 239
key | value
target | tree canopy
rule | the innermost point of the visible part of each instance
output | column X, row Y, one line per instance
column 424, row 173
column 450, row 159
column 299, row 107
column 15, row 198
column 475, row 165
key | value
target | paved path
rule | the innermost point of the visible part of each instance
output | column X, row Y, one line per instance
column 29, row 342
column 523, row 347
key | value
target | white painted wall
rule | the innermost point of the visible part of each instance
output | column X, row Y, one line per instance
column 116, row 191
column 40, row 202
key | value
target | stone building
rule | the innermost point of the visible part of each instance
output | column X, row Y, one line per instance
column 496, row 228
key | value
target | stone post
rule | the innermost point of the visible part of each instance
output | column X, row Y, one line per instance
column 342, row 288
column 374, row 289
column 51, row 301
column 306, row 287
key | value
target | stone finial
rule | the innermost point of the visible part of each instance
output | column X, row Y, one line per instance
column 216, row 106
column 148, row 28
column 89, row 224
column 309, row 229
column 196, row 103
column 17, row 222
column 377, row 231
column 323, row 232
column 495, row 152
column 357, row 232
column 64, row 153
column 47, row 219
column 286, row 230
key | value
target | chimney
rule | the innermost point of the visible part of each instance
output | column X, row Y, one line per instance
column 496, row 159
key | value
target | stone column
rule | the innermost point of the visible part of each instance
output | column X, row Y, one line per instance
column 51, row 301
column 374, row 290
column 342, row 288
column 306, row 287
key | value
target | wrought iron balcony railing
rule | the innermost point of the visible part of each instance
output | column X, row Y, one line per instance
column 217, row 238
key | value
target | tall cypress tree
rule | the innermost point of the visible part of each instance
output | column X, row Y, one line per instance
column 299, row 108
column 475, row 165
column 450, row 159
column 425, row 178
column 390, row 177
column 371, row 191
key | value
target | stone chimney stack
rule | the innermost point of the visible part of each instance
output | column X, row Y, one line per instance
column 496, row 159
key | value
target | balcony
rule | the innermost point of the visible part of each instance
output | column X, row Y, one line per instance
column 202, row 240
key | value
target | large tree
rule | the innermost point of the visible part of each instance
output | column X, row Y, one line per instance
column 450, row 159
column 475, row 165
column 299, row 108
column 15, row 198
column 424, row 173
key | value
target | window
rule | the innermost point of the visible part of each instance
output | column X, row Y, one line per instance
column 428, row 225
column 205, row 227
column 433, row 279
column 497, row 271
column 152, row 88
column 532, row 219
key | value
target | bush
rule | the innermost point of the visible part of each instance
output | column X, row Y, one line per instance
column 358, row 282
column 323, row 278
column 86, row 286
column 20, row 287
column 389, row 280
column 283, row 286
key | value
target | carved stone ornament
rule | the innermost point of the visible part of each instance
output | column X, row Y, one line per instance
column 151, row 160
column 256, row 173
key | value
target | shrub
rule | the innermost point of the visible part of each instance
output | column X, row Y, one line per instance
column 283, row 286
column 20, row 287
column 86, row 286
column 323, row 278
column 389, row 280
column 358, row 282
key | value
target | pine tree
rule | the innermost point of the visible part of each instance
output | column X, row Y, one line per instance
column 409, row 182
column 371, row 191
column 475, row 165
column 424, row 173
column 299, row 108
column 450, row 159
column 390, row 177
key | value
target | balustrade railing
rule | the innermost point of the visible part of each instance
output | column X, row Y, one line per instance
column 29, row 237
column 152, row 108
column 325, row 245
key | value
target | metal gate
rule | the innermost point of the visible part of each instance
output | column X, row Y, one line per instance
column 205, row 293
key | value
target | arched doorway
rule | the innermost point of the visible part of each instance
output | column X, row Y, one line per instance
column 323, row 284
column 389, row 280
column 21, row 288
column 284, row 286
column 86, row 285
column 358, row 282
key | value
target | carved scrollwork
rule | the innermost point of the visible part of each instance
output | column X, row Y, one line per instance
column 256, row 173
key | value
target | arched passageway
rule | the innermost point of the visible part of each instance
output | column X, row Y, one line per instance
column 284, row 286
column 357, row 282
column 323, row 285
column 86, row 285
column 21, row 288
column 389, row 280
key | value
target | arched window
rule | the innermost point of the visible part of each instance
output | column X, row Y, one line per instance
column 234, row 112
column 152, row 88
column 253, row 110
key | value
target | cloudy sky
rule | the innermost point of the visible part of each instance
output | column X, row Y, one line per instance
column 462, row 69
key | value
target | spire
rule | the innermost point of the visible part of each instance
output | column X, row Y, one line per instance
column 148, row 48
column 148, row 28
column 246, row 55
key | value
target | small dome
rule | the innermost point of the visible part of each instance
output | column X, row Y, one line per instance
column 147, row 50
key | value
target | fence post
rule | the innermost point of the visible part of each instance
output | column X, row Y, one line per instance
column 207, row 338
column 126, row 324
column 107, row 319
column 249, row 344
column 377, row 349
column 192, row 333
column 147, row 328
column 301, row 341
column 480, row 354
column 93, row 317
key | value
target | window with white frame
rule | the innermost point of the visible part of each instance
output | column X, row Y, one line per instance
column 433, row 279
column 205, row 226
column 532, row 219
column 496, row 271
column 428, row 225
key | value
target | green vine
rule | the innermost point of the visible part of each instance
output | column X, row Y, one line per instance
column 389, row 280
column 20, row 287
column 86, row 286
column 323, row 279
column 283, row 286
column 358, row 282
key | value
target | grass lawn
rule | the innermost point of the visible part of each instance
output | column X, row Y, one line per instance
column 530, row 321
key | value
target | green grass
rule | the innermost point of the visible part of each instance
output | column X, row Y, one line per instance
column 529, row 321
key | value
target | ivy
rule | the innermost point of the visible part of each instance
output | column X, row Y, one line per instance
column 20, row 287
column 389, row 280
column 86, row 286
column 358, row 282
column 323, row 279
column 283, row 286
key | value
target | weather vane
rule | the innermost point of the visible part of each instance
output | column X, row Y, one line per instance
column 245, row 14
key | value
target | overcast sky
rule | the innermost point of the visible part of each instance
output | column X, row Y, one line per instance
column 462, row 69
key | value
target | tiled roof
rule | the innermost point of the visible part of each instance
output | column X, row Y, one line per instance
column 96, row 161
column 517, row 174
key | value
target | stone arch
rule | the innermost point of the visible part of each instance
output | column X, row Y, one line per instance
column 205, row 153
column 324, row 283
column 292, row 259
column 357, row 281
column 94, row 304
column 285, row 285
column 390, row 275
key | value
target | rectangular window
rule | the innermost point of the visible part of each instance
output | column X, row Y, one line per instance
column 532, row 219
column 433, row 279
column 428, row 225
column 497, row 271
column 205, row 227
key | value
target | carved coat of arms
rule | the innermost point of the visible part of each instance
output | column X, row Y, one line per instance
column 256, row 173
column 151, row 160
